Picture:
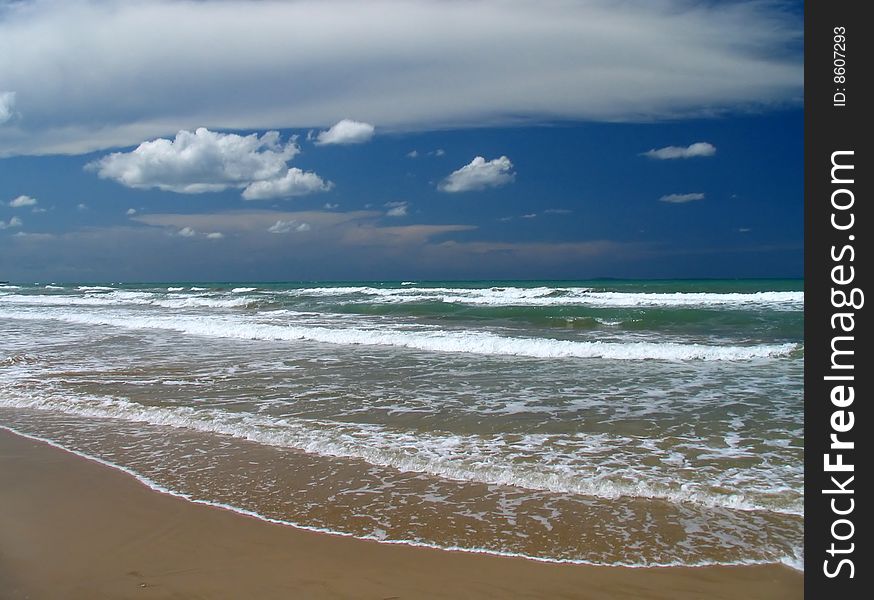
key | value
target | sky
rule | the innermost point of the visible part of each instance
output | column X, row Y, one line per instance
column 232, row 140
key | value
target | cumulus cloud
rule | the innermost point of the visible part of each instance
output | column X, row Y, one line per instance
column 13, row 222
column 412, row 154
column 428, row 64
column 215, row 235
column 396, row 209
column 288, row 226
column 208, row 161
column 22, row 201
column 199, row 161
column 187, row 232
column 331, row 206
column 682, row 198
column 479, row 174
column 7, row 102
column 294, row 183
column 346, row 131
column 691, row 151
column 131, row 211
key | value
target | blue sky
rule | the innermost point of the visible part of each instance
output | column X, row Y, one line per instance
column 448, row 140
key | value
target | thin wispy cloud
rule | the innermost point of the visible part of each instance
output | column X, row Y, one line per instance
column 7, row 103
column 432, row 64
column 281, row 226
column 681, row 198
column 415, row 153
column 346, row 132
column 698, row 149
column 12, row 222
column 479, row 174
column 396, row 209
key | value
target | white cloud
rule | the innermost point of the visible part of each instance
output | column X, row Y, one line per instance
column 287, row 226
column 22, row 201
column 682, row 198
column 346, row 131
column 418, row 65
column 479, row 175
column 81, row 206
column 190, row 232
column 691, row 151
column 330, row 206
column 131, row 211
column 202, row 161
column 437, row 152
column 558, row 211
column 7, row 102
column 530, row 216
column 294, row 183
column 396, row 209
column 13, row 222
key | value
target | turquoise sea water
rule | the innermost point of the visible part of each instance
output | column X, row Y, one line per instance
column 606, row 421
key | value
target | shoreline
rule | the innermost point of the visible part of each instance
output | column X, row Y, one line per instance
column 74, row 528
column 160, row 489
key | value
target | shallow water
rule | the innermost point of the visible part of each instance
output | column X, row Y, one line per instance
column 612, row 422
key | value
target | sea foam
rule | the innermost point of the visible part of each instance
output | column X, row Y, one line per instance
column 550, row 296
column 474, row 342
column 449, row 456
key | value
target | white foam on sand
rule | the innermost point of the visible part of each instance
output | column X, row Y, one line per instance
column 794, row 561
column 554, row 463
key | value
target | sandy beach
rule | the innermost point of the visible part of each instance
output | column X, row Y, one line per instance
column 73, row 528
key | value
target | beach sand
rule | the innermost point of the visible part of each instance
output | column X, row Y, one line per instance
column 73, row 528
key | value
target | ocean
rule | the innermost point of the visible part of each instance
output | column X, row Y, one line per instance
column 610, row 422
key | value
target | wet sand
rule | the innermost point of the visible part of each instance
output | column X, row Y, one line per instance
column 71, row 528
